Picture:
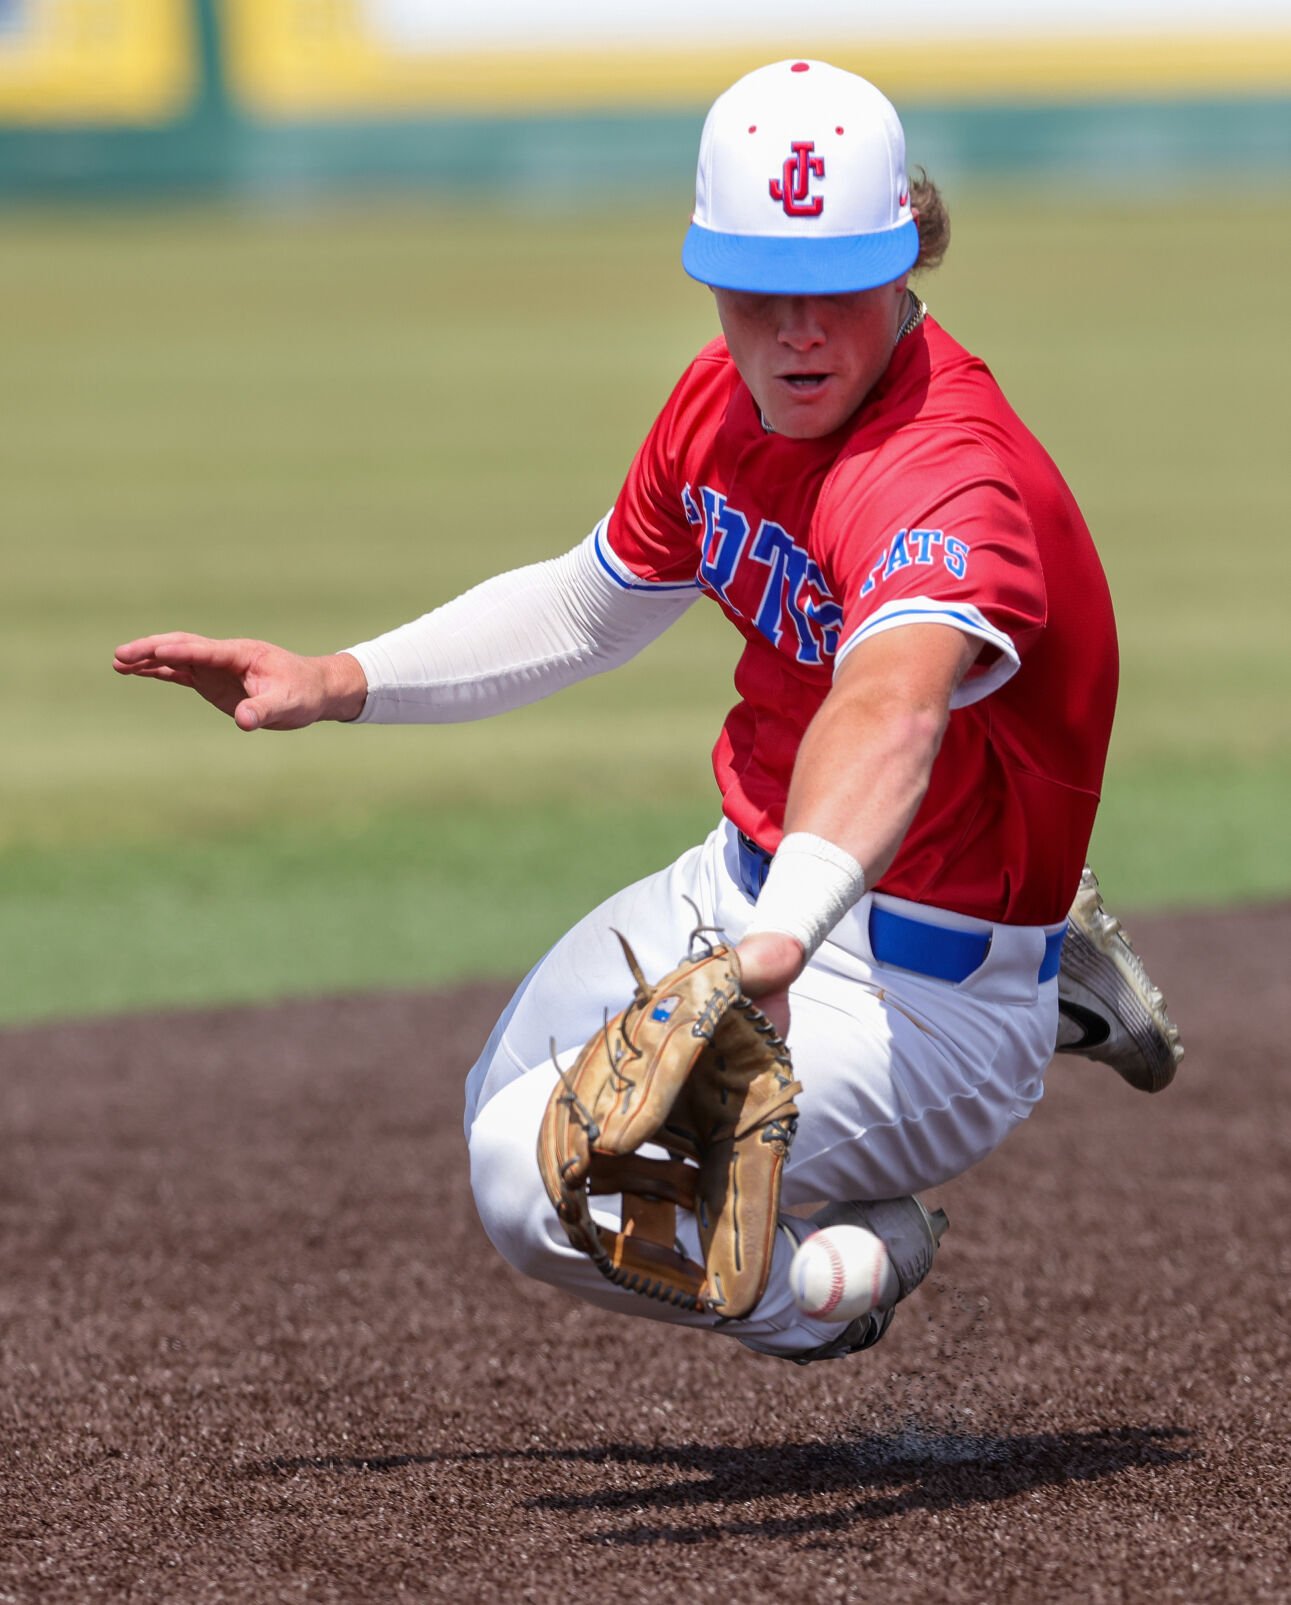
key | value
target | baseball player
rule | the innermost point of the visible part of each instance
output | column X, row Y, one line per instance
column 910, row 774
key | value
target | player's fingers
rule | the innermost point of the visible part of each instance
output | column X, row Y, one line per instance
column 196, row 652
column 148, row 646
column 148, row 667
column 157, row 671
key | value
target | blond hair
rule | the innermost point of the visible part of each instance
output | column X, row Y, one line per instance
column 931, row 218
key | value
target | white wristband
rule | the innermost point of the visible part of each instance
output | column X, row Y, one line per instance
column 810, row 886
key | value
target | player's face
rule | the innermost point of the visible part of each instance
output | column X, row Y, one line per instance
column 811, row 360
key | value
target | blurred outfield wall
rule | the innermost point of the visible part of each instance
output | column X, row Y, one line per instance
column 544, row 98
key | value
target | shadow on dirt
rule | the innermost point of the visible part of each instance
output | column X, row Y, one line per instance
column 894, row 1472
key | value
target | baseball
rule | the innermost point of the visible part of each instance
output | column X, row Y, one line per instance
column 841, row 1273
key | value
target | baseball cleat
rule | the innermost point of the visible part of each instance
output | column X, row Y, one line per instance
column 1108, row 1008
column 911, row 1235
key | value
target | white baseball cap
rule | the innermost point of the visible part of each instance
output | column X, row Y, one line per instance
column 802, row 186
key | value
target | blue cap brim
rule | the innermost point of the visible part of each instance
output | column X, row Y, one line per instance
column 771, row 264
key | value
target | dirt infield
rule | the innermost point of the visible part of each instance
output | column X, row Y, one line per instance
column 256, row 1348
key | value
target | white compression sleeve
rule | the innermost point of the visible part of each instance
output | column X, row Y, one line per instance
column 512, row 640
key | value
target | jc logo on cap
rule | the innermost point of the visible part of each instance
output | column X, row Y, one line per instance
column 791, row 189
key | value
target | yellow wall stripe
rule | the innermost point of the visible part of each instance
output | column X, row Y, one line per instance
column 98, row 61
column 134, row 61
column 277, row 72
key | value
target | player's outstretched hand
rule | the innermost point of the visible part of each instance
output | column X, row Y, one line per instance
column 259, row 686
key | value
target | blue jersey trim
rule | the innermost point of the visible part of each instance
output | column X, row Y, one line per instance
column 972, row 621
column 975, row 626
column 974, row 687
column 639, row 584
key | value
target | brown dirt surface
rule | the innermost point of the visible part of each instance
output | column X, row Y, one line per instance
column 257, row 1348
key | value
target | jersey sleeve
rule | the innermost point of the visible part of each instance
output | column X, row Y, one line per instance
column 651, row 536
column 939, row 535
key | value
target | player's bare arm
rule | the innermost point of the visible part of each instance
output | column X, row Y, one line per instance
column 260, row 686
column 864, row 763
column 863, row 766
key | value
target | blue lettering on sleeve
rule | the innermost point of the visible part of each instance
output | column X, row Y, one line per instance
column 956, row 556
column 898, row 557
column 874, row 573
column 927, row 539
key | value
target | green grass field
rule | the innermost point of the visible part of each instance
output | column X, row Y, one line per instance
column 314, row 425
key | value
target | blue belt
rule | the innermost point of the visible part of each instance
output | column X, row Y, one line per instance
column 905, row 943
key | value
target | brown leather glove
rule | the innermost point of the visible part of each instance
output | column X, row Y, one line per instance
column 692, row 1066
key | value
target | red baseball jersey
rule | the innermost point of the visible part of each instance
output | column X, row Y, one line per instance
column 933, row 504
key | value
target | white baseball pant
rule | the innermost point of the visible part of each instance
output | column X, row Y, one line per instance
column 907, row 1080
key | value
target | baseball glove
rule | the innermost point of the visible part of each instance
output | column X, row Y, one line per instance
column 693, row 1067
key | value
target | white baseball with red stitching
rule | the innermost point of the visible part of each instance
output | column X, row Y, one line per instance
column 841, row 1273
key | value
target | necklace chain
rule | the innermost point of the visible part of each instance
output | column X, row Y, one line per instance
column 918, row 311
